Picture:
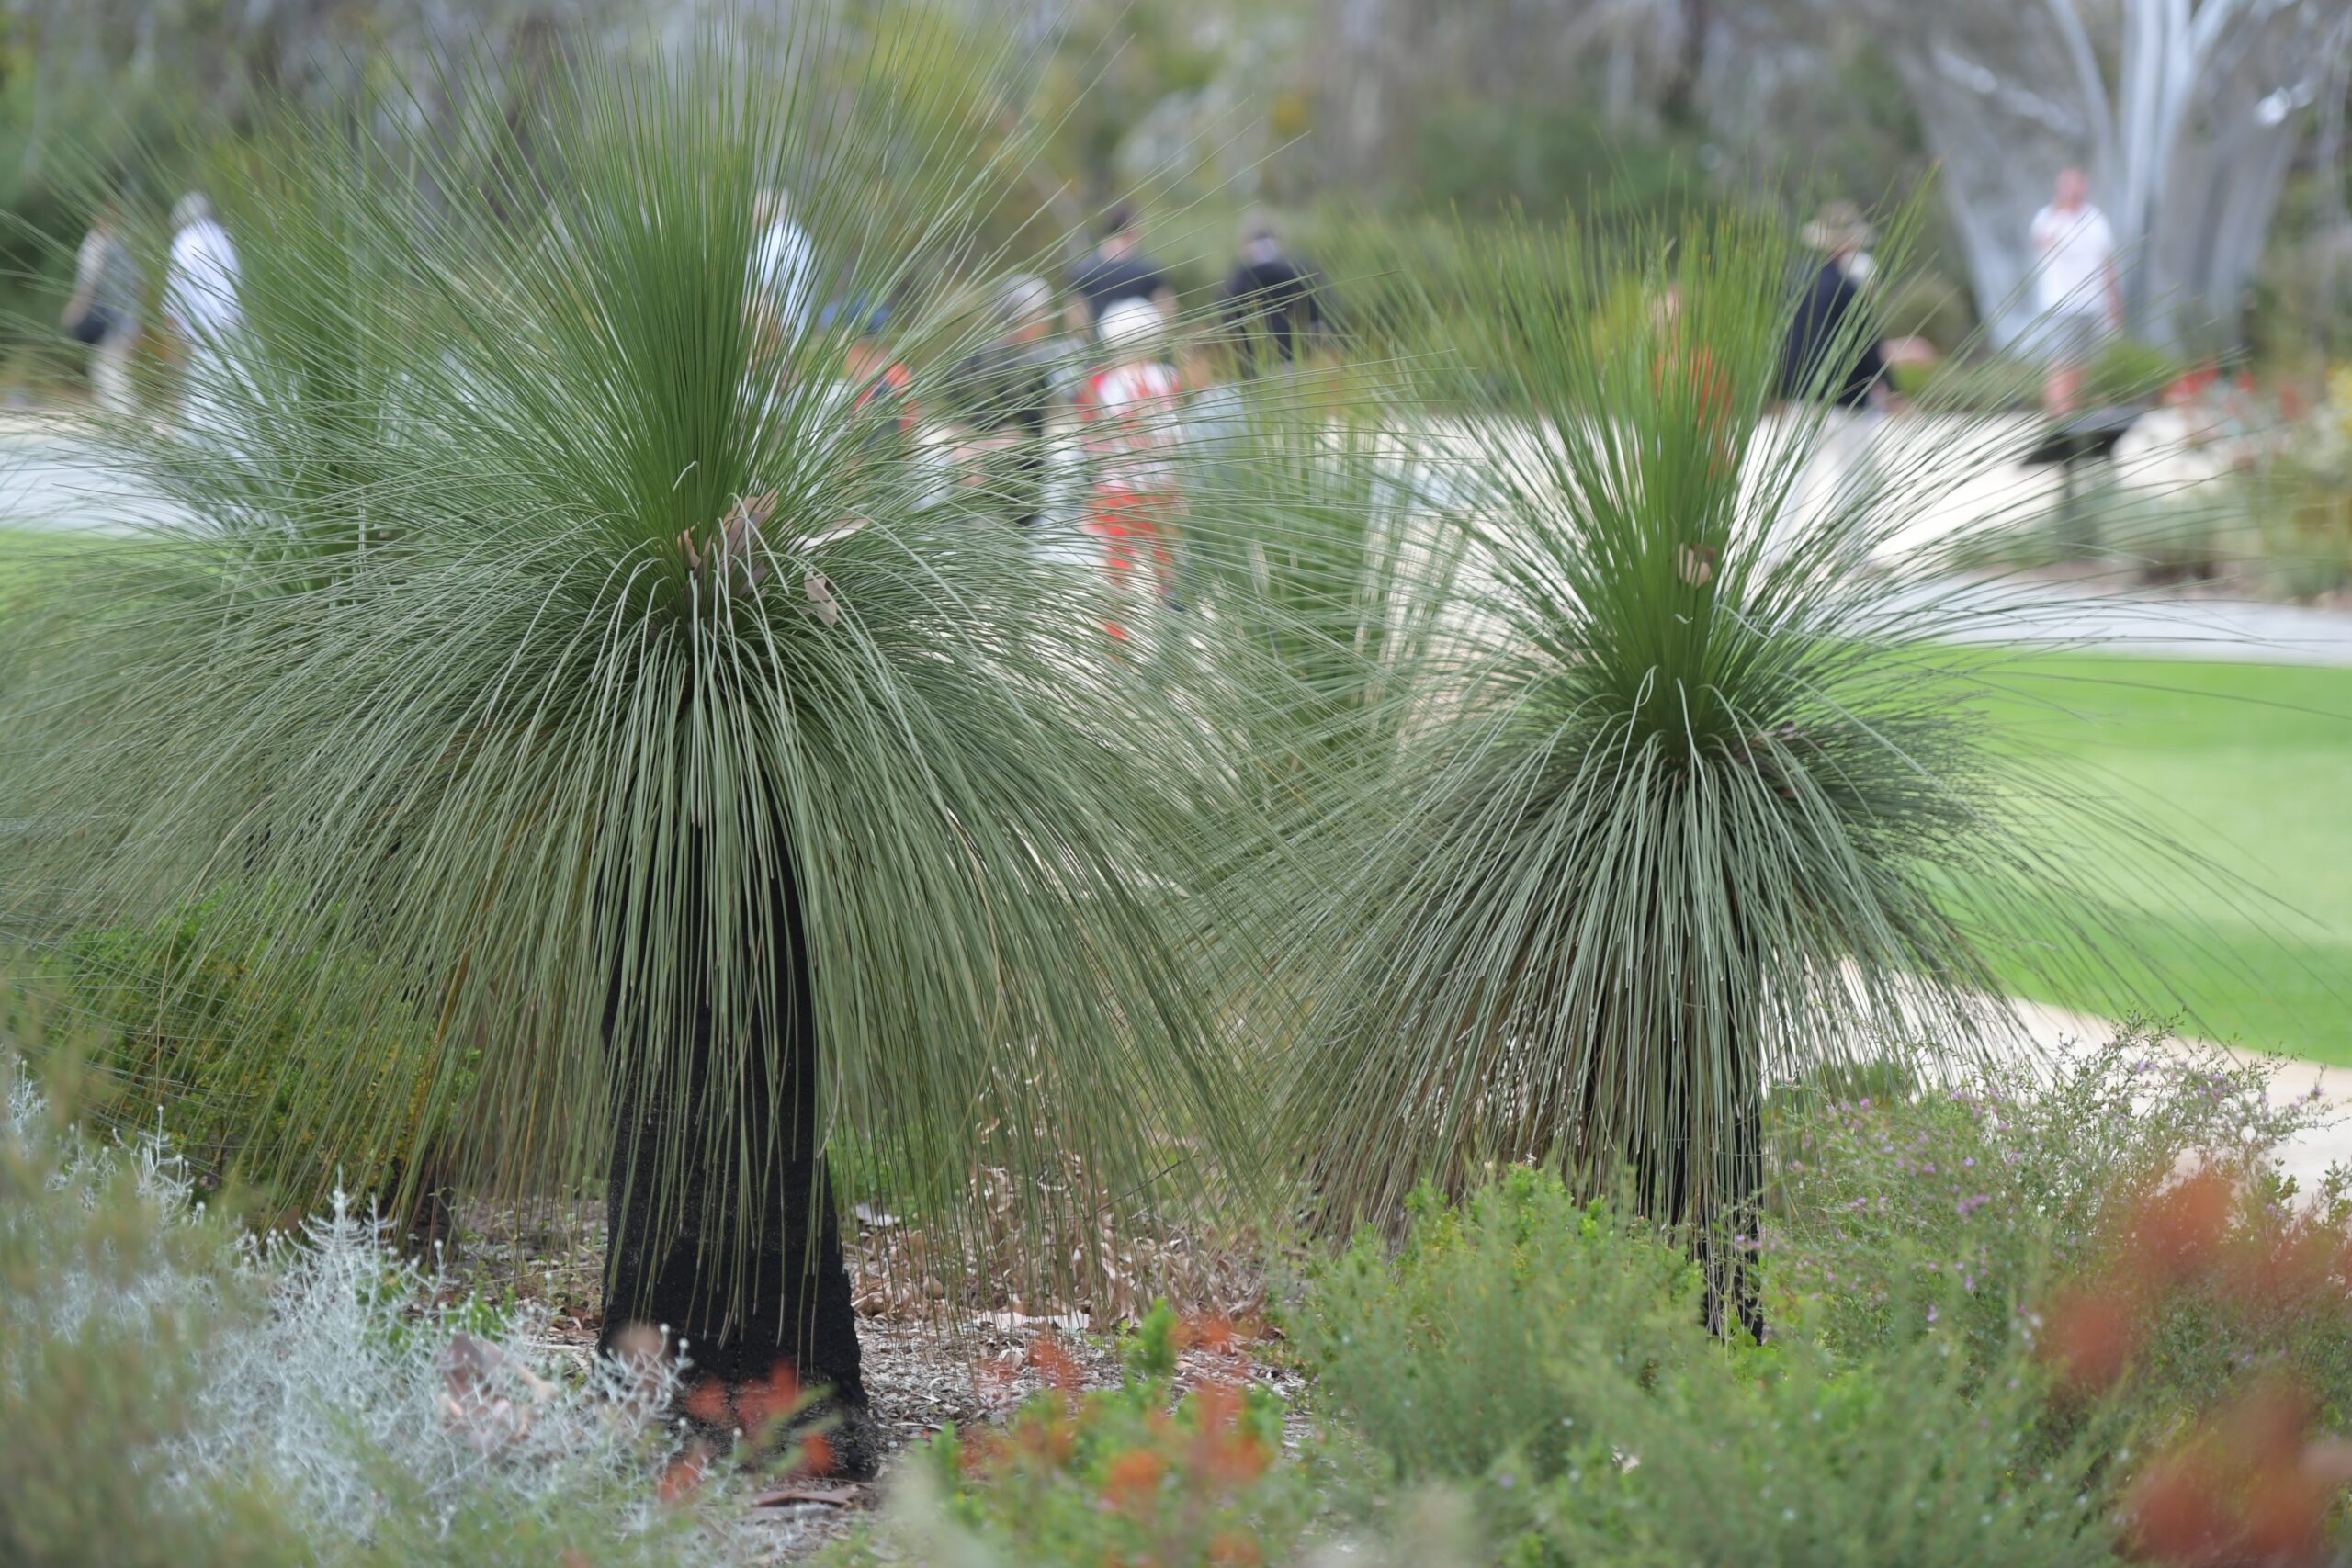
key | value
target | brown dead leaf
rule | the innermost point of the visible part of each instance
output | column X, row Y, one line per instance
column 820, row 598
column 832, row 1494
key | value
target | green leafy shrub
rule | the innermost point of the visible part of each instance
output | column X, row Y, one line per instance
column 1957, row 1205
column 2167, row 537
column 1551, row 1355
column 2127, row 370
column 187, row 1029
column 1445, row 1354
column 1810, row 1465
column 2124, row 371
column 2303, row 515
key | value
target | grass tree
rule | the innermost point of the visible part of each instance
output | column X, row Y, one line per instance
column 716, row 788
column 1682, row 802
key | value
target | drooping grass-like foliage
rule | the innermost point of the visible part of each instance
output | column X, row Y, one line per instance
column 1329, row 576
column 551, row 625
column 1681, row 817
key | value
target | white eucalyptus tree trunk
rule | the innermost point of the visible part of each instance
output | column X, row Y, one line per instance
column 2187, row 113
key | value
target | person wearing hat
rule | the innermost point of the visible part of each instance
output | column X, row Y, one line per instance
column 1833, row 356
column 1825, row 325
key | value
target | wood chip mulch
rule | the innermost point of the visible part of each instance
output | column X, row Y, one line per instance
column 967, row 1361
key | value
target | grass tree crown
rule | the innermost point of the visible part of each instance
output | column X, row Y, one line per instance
column 542, row 598
column 1693, row 772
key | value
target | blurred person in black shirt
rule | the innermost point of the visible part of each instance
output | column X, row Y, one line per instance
column 1826, row 322
column 1271, row 302
column 1118, row 269
column 1004, row 394
column 1833, row 356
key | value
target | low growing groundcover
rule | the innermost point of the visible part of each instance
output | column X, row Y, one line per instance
column 2249, row 768
column 2083, row 1363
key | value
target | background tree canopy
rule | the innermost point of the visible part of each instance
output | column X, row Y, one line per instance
column 1591, row 108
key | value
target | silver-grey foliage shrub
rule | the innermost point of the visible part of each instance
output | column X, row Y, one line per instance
column 333, row 1377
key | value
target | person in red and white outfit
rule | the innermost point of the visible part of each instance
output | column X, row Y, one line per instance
column 1130, row 411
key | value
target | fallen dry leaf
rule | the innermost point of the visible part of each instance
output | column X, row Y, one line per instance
column 832, row 1493
column 820, row 598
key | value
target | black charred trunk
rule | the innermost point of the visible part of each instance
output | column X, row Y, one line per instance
column 1728, row 1237
column 1721, row 1210
column 780, row 1296
column 725, row 1232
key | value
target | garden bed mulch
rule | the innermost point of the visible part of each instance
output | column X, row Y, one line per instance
column 928, row 1360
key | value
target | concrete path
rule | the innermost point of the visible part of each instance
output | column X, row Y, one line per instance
column 2113, row 619
column 49, row 482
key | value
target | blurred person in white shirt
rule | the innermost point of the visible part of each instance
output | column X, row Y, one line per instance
column 202, row 307
column 783, row 265
column 1131, row 413
column 202, row 278
column 2077, row 291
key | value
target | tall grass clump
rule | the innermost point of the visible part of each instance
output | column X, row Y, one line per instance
column 1691, row 774
column 566, row 647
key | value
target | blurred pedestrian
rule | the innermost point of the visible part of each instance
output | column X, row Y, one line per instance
column 201, row 307
column 103, row 309
column 1119, row 270
column 1833, row 356
column 1831, row 350
column 1685, row 377
column 2076, row 290
column 202, row 277
column 1271, row 302
column 782, row 267
column 874, row 385
column 1006, row 394
column 1132, row 412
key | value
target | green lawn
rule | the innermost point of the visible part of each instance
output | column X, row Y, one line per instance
column 23, row 548
column 16, row 546
column 2249, row 766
